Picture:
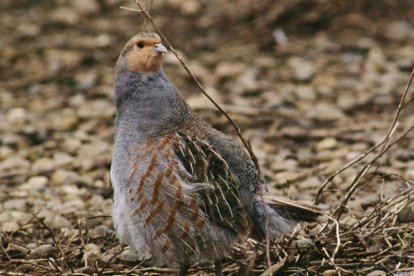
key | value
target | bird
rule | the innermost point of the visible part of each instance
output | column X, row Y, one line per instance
column 184, row 192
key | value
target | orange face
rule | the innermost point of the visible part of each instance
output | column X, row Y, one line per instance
column 144, row 53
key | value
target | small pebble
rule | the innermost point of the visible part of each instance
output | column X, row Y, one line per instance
column 303, row 70
column 129, row 255
column 45, row 249
column 85, row 7
column 9, row 226
column 190, row 7
column 324, row 112
column 17, row 116
column 407, row 213
column 369, row 200
column 35, row 183
column 47, row 215
column 14, row 163
column 65, row 16
column 310, row 183
column 377, row 273
column 15, row 204
column 20, row 216
column 64, row 177
column 330, row 272
column 99, row 231
column 92, row 254
column 31, row 246
column 61, row 222
column 108, row 257
column 326, row 143
column 42, row 165
column 304, row 243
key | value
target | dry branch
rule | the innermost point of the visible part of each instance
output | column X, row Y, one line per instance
column 383, row 143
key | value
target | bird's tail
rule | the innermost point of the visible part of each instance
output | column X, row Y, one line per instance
column 282, row 214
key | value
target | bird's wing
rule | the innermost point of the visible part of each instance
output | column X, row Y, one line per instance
column 217, row 185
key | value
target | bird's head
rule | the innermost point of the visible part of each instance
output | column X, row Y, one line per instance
column 143, row 53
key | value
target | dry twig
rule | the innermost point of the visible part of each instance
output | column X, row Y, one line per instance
column 403, row 103
column 62, row 255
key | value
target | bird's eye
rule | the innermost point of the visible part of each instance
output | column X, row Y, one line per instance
column 140, row 45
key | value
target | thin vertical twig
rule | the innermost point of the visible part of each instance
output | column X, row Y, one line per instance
column 148, row 11
column 62, row 255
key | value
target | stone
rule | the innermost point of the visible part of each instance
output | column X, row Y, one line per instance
column 92, row 254
column 20, row 217
column 31, row 245
column 35, row 183
column 45, row 249
column 286, row 176
column 63, row 177
column 369, row 200
column 399, row 30
column 14, row 163
column 4, row 216
column 61, row 222
column 47, row 215
column 108, row 257
column 310, row 183
column 15, row 204
column 303, row 70
column 229, row 69
column 247, row 81
column 103, row 40
column 190, row 7
column 5, row 152
column 62, row 158
column 64, row 16
column 305, row 92
column 9, row 226
column 304, row 243
column 129, row 255
column 99, row 231
column 96, row 108
column 377, row 273
column 330, row 272
column 407, row 213
column 325, row 112
column 85, row 7
column 283, row 165
column 66, row 120
column 17, row 116
column 86, row 80
column 346, row 101
column 200, row 102
column 42, row 165
column 326, row 143
column 72, row 206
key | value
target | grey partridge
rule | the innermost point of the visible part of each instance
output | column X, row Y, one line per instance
column 183, row 191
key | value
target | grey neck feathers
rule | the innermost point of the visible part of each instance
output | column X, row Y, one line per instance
column 147, row 106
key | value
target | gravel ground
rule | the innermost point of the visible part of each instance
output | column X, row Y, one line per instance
column 313, row 84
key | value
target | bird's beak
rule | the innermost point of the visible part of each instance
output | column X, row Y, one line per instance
column 159, row 48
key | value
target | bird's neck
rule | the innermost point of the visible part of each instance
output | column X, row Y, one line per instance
column 147, row 106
